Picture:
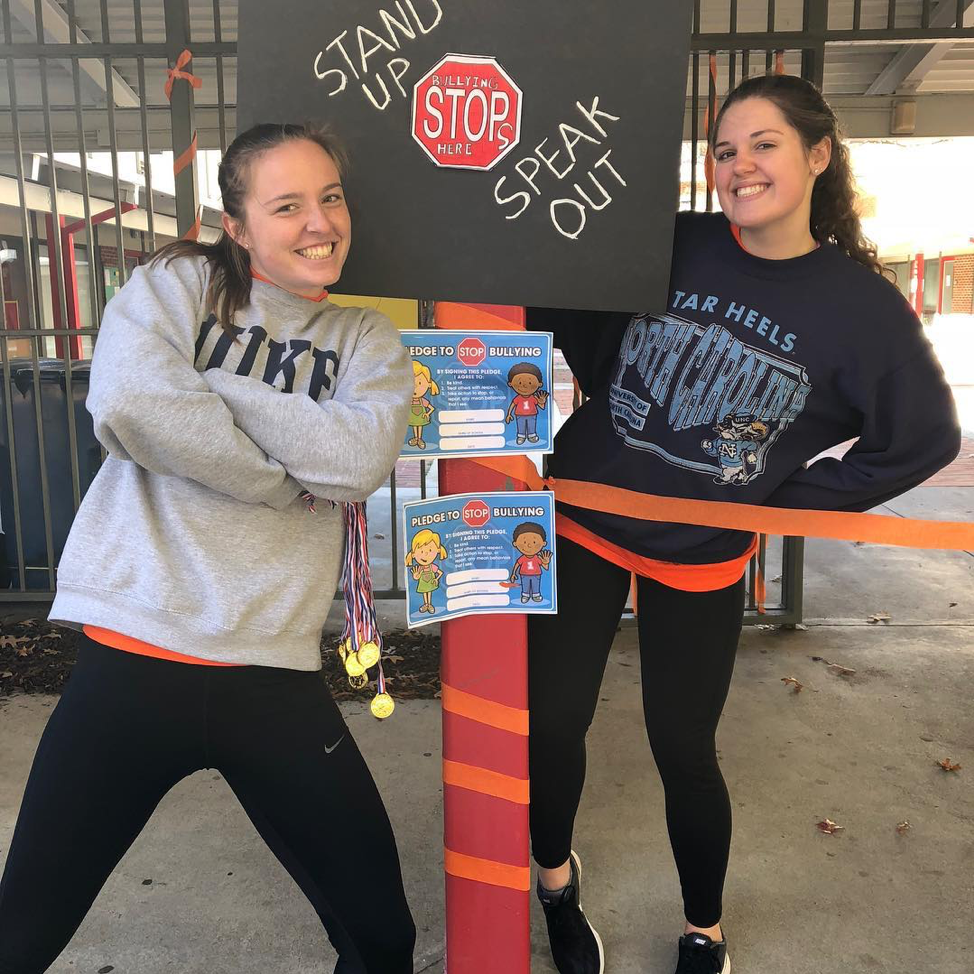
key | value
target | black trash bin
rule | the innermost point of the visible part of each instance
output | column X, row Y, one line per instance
column 57, row 458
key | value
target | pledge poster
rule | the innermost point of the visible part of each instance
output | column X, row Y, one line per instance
column 475, row 553
column 479, row 394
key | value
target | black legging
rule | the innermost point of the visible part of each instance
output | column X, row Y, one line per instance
column 687, row 644
column 128, row 727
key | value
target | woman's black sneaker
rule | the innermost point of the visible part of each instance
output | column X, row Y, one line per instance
column 701, row 955
column 575, row 946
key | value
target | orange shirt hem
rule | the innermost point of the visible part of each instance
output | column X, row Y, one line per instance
column 128, row 644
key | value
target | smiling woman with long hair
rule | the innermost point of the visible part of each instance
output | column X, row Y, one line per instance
column 779, row 341
column 229, row 394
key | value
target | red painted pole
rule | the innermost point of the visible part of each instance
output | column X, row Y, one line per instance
column 56, row 321
column 485, row 747
column 71, row 293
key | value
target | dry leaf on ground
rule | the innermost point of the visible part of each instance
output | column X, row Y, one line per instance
column 837, row 668
column 792, row 682
column 947, row 765
column 829, row 827
column 7, row 641
column 903, row 827
column 878, row 617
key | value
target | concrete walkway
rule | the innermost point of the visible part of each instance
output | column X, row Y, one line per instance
column 861, row 750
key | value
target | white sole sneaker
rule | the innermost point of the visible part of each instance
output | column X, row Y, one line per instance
column 595, row 933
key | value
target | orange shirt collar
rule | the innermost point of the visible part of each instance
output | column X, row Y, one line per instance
column 260, row 277
column 736, row 230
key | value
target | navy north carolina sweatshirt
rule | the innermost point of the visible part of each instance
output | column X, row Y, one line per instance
column 755, row 367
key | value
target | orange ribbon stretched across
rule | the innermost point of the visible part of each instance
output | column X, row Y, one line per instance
column 786, row 522
column 177, row 72
column 487, row 871
column 516, row 467
column 840, row 525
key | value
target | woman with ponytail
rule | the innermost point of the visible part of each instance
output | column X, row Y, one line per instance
column 781, row 339
column 230, row 394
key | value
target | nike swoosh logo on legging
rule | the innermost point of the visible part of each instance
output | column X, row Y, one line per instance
column 328, row 749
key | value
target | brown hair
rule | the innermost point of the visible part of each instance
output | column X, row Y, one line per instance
column 230, row 280
column 834, row 217
column 530, row 527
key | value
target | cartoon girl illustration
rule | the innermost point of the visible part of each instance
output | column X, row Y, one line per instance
column 425, row 549
column 737, row 440
column 420, row 409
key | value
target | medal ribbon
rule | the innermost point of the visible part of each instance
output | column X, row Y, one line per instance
column 361, row 624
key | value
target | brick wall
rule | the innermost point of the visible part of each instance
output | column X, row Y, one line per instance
column 964, row 285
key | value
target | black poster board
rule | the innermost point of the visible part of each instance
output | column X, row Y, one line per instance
column 602, row 84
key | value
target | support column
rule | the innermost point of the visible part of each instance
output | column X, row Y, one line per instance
column 485, row 747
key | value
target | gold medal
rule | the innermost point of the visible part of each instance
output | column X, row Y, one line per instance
column 382, row 705
column 343, row 648
column 353, row 666
column 368, row 654
column 358, row 682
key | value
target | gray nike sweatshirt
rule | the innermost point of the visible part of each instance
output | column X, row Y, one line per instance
column 192, row 536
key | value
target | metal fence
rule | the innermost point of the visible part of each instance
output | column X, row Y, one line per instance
column 89, row 144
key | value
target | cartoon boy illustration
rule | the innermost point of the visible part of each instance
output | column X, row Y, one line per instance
column 526, row 381
column 738, row 439
column 420, row 408
column 529, row 539
column 424, row 550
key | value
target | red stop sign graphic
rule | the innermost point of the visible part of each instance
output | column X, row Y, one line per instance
column 476, row 513
column 467, row 112
column 471, row 352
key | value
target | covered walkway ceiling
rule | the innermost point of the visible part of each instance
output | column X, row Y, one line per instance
column 863, row 74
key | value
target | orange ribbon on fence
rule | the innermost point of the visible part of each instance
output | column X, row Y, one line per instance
column 177, row 72
column 186, row 157
column 710, row 119
column 194, row 231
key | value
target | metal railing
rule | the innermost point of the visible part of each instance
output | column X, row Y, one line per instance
column 82, row 83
